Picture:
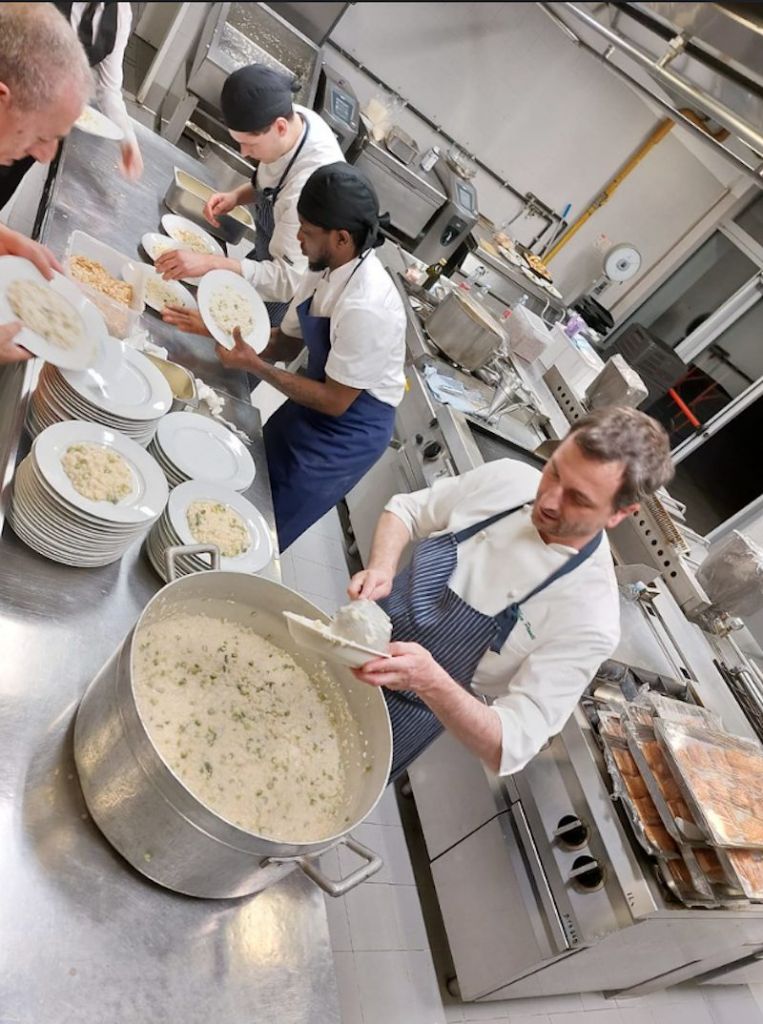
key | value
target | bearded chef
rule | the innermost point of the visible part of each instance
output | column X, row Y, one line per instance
column 509, row 604
column 347, row 312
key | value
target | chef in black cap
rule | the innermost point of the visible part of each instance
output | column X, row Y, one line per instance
column 289, row 142
column 348, row 314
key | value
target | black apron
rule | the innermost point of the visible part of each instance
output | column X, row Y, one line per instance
column 265, row 222
column 96, row 49
column 424, row 610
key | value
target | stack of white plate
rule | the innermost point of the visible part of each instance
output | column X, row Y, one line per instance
column 124, row 392
column 172, row 529
column 54, row 519
column 189, row 446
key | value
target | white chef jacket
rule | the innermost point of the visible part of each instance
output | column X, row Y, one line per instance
column 276, row 279
column 108, row 74
column 367, row 330
column 563, row 634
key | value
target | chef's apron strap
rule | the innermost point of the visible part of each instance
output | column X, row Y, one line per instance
column 483, row 524
column 508, row 618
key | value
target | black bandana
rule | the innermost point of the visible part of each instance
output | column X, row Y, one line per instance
column 254, row 96
column 338, row 197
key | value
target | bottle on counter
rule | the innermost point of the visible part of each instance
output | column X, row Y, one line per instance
column 434, row 272
column 469, row 282
column 522, row 301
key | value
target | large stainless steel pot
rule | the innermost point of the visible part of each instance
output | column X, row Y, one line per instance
column 144, row 809
column 465, row 331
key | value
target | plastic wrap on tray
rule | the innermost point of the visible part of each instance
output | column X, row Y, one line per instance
column 721, row 779
column 629, row 788
column 679, row 711
column 732, row 574
column 746, row 866
column 610, row 724
column 659, row 782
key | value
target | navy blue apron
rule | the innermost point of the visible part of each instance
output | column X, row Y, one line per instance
column 315, row 459
column 426, row 611
column 264, row 218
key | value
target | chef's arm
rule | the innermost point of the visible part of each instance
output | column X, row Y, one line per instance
column 328, row 397
column 412, row 667
column 282, row 348
column 391, row 538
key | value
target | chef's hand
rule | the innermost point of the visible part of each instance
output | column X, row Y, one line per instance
column 14, row 244
column 218, row 204
column 409, row 667
column 177, row 263
column 185, row 319
column 241, row 356
column 370, row 584
column 131, row 164
column 10, row 352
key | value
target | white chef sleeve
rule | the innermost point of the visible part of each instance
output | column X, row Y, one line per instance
column 429, row 511
column 108, row 76
column 545, row 690
column 276, row 279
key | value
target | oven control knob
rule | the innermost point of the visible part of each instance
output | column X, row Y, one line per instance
column 419, row 439
column 571, row 832
column 587, row 873
column 432, row 450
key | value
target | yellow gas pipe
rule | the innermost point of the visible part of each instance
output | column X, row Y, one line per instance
column 611, row 187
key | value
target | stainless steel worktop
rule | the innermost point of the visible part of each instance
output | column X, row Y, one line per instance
column 84, row 937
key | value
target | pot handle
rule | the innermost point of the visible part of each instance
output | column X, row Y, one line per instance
column 172, row 554
column 308, row 865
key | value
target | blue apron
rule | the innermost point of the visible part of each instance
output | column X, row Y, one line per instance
column 426, row 611
column 264, row 219
column 315, row 459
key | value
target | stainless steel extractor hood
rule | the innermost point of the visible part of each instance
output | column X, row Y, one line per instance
column 705, row 62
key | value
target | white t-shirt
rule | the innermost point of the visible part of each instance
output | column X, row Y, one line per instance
column 108, row 74
column 564, row 633
column 367, row 325
column 276, row 279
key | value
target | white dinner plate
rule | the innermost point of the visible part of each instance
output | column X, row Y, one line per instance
column 149, row 494
column 86, row 351
column 173, row 225
column 134, row 389
column 317, row 637
column 200, row 448
column 94, row 122
column 215, row 281
column 155, row 244
column 260, row 551
column 156, row 286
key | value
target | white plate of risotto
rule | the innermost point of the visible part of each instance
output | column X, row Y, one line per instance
column 227, row 301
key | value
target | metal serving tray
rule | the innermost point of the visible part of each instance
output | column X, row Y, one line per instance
column 187, row 196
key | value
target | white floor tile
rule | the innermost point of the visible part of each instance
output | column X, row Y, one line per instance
column 339, row 925
column 596, row 1001
column 683, row 1012
column 537, row 1006
column 635, row 1015
column 328, row 583
column 756, row 991
column 523, row 1018
column 328, row 526
column 424, row 989
column 732, row 1004
column 325, row 551
column 385, row 992
column 347, row 984
column 326, row 604
column 373, row 919
column 609, row 1016
column 410, row 920
column 389, row 842
column 485, row 1011
column 454, row 1012
column 386, row 811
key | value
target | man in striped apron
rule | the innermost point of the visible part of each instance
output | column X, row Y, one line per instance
column 510, row 603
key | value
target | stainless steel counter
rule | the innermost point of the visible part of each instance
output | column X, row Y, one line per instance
column 85, row 938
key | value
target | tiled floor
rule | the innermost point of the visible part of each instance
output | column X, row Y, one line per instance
column 384, row 966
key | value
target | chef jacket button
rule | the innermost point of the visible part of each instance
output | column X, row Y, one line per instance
column 511, row 594
column 481, row 535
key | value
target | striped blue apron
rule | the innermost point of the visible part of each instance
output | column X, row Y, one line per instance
column 426, row 611
column 265, row 222
column 315, row 459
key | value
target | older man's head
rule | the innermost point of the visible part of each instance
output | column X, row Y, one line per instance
column 45, row 81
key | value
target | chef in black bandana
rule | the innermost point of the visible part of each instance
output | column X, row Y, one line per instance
column 103, row 30
column 289, row 142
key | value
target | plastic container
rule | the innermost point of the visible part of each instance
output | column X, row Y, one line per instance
column 121, row 320
column 528, row 334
